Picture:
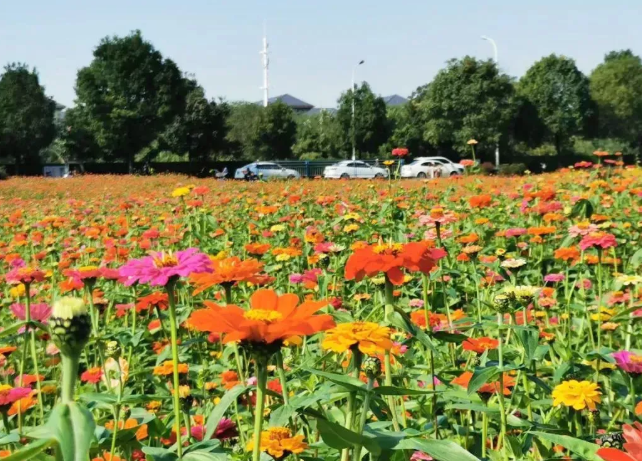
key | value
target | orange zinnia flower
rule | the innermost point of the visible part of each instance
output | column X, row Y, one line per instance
column 480, row 345
column 480, row 201
column 567, row 254
column 271, row 318
column 488, row 388
column 390, row 258
column 227, row 271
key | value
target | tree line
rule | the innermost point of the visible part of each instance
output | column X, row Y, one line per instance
column 134, row 105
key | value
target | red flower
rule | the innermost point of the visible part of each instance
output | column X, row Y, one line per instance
column 633, row 446
column 93, row 375
column 399, row 152
column 600, row 239
column 390, row 259
column 480, row 345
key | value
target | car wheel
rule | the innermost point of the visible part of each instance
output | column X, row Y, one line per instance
column 291, row 177
column 454, row 173
column 379, row 176
column 422, row 175
column 345, row 176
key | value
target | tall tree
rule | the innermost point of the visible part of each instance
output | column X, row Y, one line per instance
column 200, row 130
column 468, row 99
column 370, row 129
column 616, row 87
column 318, row 136
column 26, row 115
column 131, row 94
column 243, row 125
column 559, row 92
column 277, row 132
column 406, row 129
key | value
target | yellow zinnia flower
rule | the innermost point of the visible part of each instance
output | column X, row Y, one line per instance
column 180, row 191
column 369, row 337
column 278, row 442
column 577, row 394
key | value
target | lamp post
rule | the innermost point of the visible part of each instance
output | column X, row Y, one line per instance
column 492, row 42
column 354, row 139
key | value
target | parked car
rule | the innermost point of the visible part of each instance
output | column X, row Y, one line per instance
column 266, row 170
column 347, row 169
column 431, row 167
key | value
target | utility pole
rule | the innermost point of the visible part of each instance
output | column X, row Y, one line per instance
column 266, row 64
column 492, row 42
column 354, row 128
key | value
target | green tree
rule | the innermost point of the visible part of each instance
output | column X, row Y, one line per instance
column 318, row 136
column 131, row 93
column 468, row 99
column 370, row 130
column 277, row 132
column 406, row 129
column 26, row 116
column 200, row 131
column 77, row 138
column 243, row 124
column 559, row 92
column 616, row 87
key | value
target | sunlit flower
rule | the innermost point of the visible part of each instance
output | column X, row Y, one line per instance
column 369, row 337
column 279, row 442
column 159, row 268
column 577, row 394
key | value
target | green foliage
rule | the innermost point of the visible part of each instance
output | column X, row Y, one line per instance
column 3, row 173
column 370, row 129
column 318, row 136
column 406, row 130
column 200, row 131
column 26, row 115
column 512, row 169
column 130, row 93
column 616, row 87
column 468, row 99
column 559, row 93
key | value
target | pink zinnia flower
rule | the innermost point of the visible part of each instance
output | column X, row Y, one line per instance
column 226, row 429
column 158, row 268
column 554, row 278
column 40, row 312
column 416, row 303
column 420, row 456
column 628, row 361
column 515, row 232
column 601, row 240
column 8, row 396
column 24, row 274
column 582, row 229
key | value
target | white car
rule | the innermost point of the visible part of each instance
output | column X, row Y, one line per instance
column 347, row 169
column 431, row 167
column 266, row 170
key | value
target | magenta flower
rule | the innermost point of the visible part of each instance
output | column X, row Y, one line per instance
column 554, row 277
column 8, row 396
column 226, row 429
column 515, row 232
column 40, row 312
column 24, row 274
column 420, row 456
column 582, row 230
column 629, row 362
column 601, row 240
column 160, row 267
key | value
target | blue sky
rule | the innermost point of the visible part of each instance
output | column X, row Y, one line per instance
column 314, row 44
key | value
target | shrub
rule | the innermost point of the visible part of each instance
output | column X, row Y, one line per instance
column 3, row 173
column 512, row 169
column 488, row 168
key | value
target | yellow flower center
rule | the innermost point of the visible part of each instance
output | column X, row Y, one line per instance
column 437, row 213
column 263, row 315
column 388, row 248
column 165, row 260
column 87, row 268
column 5, row 387
column 278, row 433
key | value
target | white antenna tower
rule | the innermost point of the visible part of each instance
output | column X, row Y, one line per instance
column 266, row 64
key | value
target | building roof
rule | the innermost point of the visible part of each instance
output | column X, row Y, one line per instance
column 394, row 100
column 289, row 100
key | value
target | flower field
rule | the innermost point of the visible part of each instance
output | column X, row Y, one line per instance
column 466, row 318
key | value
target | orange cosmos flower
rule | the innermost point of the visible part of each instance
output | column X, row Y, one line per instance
column 227, row 271
column 480, row 345
column 271, row 318
column 390, row 258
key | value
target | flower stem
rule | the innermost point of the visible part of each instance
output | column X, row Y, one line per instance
column 174, row 339
column 281, row 371
column 356, row 364
column 500, row 391
column 356, row 454
column 261, row 375
column 69, row 374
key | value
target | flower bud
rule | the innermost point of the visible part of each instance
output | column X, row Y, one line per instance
column 70, row 325
column 112, row 349
column 502, row 303
column 372, row 367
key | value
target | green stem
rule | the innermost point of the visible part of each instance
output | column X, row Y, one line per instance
column 281, row 371
column 356, row 454
column 174, row 340
column 356, row 363
column 500, row 391
column 261, row 374
column 69, row 375
column 115, row 433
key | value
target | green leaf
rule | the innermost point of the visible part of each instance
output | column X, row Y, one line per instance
column 31, row 450
column 444, row 336
column 347, row 381
column 392, row 390
column 442, row 450
column 281, row 415
column 200, row 455
column 73, row 427
column 12, row 329
column 217, row 414
column 636, row 259
column 108, row 399
column 582, row 208
column 581, row 448
column 159, row 454
column 529, row 339
column 338, row 437
column 480, row 377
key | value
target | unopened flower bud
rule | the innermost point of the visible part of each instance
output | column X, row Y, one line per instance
column 70, row 325
column 372, row 367
column 502, row 303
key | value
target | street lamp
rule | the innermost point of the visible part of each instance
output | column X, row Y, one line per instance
column 354, row 139
column 492, row 42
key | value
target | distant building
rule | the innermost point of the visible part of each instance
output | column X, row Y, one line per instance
column 302, row 107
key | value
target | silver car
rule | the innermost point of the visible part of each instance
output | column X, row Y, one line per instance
column 266, row 170
column 347, row 169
